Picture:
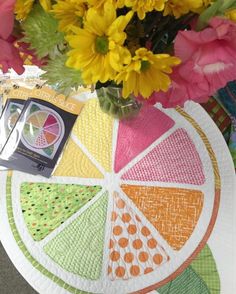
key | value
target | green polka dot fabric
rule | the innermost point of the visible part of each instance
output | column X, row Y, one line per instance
column 79, row 247
column 47, row 206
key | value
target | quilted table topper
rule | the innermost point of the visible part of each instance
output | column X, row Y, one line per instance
column 134, row 206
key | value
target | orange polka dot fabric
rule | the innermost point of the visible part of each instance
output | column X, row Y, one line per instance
column 133, row 250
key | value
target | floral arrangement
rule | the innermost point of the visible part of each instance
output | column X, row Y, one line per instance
column 167, row 51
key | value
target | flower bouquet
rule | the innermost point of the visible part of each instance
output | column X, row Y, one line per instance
column 129, row 51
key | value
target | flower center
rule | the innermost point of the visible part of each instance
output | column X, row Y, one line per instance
column 102, row 45
column 145, row 65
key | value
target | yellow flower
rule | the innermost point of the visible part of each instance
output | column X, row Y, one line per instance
column 144, row 6
column 46, row 4
column 179, row 8
column 207, row 3
column 23, row 8
column 97, row 48
column 231, row 14
column 120, row 3
column 204, row 6
column 96, row 3
column 69, row 13
column 99, row 4
column 146, row 73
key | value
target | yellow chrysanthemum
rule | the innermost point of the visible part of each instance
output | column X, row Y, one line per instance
column 23, row 8
column 204, row 6
column 179, row 8
column 46, row 4
column 120, row 3
column 144, row 6
column 231, row 14
column 99, row 4
column 96, row 3
column 69, row 13
column 146, row 73
column 98, row 47
column 206, row 3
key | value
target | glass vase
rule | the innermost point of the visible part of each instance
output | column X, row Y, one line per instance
column 112, row 102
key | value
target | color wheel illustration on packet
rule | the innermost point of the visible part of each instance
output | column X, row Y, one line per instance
column 43, row 130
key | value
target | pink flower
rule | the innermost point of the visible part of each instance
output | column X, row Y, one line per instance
column 9, row 55
column 10, row 58
column 6, row 18
column 208, row 63
column 181, row 91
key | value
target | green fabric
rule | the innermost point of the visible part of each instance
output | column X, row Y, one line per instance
column 187, row 283
column 79, row 247
column 204, row 265
column 25, row 251
column 232, row 141
column 201, row 277
column 46, row 206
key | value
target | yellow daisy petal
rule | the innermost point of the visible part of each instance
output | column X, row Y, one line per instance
column 144, row 6
column 69, row 13
column 146, row 73
column 23, row 8
column 231, row 14
column 99, row 23
column 179, row 8
column 46, row 4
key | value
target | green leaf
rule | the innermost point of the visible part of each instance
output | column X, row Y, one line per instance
column 219, row 7
column 227, row 4
column 187, row 282
column 61, row 77
column 41, row 32
column 207, row 14
column 201, row 277
column 204, row 265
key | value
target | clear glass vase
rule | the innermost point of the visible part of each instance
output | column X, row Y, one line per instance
column 112, row 102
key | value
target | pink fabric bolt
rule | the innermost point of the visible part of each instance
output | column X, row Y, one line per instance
column 208, row 64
